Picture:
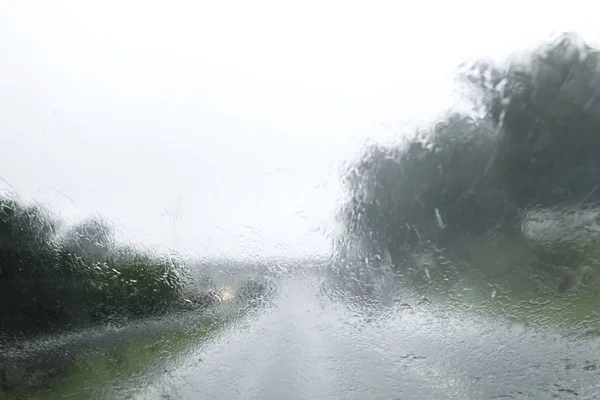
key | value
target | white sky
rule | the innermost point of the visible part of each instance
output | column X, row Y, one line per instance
column 220, row 127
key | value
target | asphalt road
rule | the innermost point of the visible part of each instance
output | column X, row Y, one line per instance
column 305, row 345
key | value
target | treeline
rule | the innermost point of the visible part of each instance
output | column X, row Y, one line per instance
column 532, row 141
column 52, row 278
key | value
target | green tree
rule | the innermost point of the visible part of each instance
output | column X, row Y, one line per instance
column 83, row 277
column 535, row 144
column 92, row 238
column 30, row 277
column 547, row 106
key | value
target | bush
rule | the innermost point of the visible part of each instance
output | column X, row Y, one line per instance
column 48, row 281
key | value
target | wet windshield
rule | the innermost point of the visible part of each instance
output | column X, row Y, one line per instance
column 270, row 200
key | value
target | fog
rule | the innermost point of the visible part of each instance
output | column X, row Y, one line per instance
column 223, row 127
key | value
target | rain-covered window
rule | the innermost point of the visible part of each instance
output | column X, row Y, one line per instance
column 299, row 200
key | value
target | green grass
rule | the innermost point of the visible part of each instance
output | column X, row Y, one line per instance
column 116, row 370
column 504, row 280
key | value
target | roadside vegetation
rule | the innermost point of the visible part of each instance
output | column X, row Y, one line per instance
column 54, row 277
column 527, row 150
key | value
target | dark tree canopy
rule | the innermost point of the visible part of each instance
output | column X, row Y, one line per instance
column 537, row 144
column 548, row 109
column 92, row 239
column 49, row 282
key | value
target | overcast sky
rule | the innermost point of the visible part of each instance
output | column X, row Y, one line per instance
column 220, row 127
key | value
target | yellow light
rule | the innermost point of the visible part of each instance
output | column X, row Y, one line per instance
column 226, row 294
